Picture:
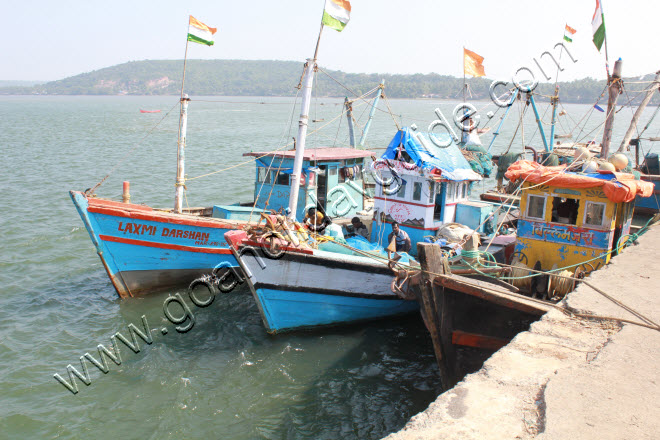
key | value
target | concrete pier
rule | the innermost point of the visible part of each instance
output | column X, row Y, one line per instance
column 567, row 378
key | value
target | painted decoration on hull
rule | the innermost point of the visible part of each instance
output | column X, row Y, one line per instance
column 562, row 234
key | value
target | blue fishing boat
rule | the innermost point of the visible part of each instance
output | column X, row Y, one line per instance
column 145, row 249
column 299, row 287
column 330, row 282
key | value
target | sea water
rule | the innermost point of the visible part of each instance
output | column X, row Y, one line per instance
column 226, row 377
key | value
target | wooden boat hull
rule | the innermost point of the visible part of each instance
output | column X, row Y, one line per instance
column 144, row 250
column 315, row 289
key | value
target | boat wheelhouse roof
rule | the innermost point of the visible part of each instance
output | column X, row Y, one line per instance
column 448, row 161
column 618, row 187
column 327, row 154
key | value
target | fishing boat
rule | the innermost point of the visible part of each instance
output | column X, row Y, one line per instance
column 145, row 249
column 149, row 111
column 307, row 287
column 427, row 188
column 304, row 288
column 572, row 223
column 326, row 281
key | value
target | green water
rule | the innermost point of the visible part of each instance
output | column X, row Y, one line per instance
column 226, row 378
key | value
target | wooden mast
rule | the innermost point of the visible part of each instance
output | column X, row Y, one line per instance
column 615, row 88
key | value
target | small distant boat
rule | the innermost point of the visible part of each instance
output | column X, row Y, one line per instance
column 149, row 111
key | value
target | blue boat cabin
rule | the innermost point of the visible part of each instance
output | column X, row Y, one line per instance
column 331, row 178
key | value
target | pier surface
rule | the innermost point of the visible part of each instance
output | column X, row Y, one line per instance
column 567, row 378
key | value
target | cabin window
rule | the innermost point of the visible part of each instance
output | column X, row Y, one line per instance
column 282, row 179
column 417, row 191
column 431, row 192
column 594, row 214
column 402, row 190
column 536, row 207
column 264, row 175
column 332, row 171
column 565, row 210
column 449, row 192
column 464, row 186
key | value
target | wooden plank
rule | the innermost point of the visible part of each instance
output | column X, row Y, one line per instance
column 445, row 310
column 459, row 337
column 492, row 293
column 430, row 258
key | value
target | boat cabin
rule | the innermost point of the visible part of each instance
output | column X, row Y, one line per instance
column 571, row 220
column 420, row 186
column 331, row 179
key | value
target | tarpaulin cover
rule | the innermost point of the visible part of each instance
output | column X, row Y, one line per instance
column 618, row 187
column 449, row 161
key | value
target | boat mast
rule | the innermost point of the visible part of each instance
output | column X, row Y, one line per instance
column 303, row 122
column 639, row 111
column 363, row 138
column 181, row 142
column 349, row 117
column 554, row 101
column 181, row 147
column 615, row 88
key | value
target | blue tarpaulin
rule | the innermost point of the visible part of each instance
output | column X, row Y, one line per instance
column 450, row 161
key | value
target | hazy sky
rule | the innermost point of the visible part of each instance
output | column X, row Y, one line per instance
column 49, row 40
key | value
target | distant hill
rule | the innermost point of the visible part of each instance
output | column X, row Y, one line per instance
column 276, row 78
column 9, row 83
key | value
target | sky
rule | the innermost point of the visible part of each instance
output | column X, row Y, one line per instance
column 45, row 40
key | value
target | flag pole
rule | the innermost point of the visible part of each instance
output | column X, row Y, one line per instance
column 463, row 73
column 607, row 58
column 294, row 178
column 318, row 41
column 180, row 182
column 185, row 59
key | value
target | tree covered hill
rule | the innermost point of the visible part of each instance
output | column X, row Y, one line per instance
column 279, row 78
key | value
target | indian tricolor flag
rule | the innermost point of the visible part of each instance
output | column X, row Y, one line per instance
column 571, row 31
column 200, row 33
column 336, row 14
column 598, row 25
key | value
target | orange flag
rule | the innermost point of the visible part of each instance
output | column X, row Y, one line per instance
column 472, row 63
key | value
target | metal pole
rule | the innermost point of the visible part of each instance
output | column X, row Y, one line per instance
column 497, row 132
column 181, row 141
column 554, row 101
column 303, row 122
column 302, row 133
column 349, row 117
column 363, row 138
column 539, row 122
column 181, row 147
